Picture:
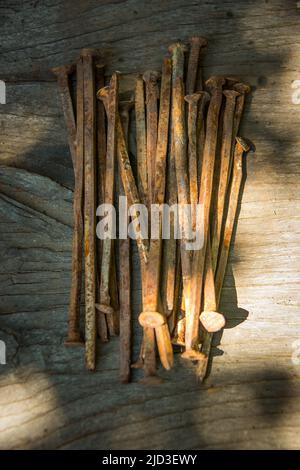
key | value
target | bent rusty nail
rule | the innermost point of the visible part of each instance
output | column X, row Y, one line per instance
column 141, row 141
column 196, row 44
column 215, row 85
column 62, row 73
column 225, row 166
column 125, row 268
column 89, row 207
column 151, row 85
column 240, row 148
column 109, row 97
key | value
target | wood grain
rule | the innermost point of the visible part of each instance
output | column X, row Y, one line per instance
column 252, row 396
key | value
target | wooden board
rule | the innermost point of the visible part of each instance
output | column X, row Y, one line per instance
column 252, row 397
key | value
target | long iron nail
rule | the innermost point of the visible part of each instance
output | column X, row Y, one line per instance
column 225, row 167
column 101, row 167
column 151, row 85
column 89, row 207
column 109, row 96
column 125, row 271
column 141, row 141
column 243, row 89
column 177, row 51
column 151, row 317
column 214, row 85
column 193, row 101
column 196, row 44
column 240, row 148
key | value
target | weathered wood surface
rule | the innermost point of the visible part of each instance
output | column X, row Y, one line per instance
column 48, row 400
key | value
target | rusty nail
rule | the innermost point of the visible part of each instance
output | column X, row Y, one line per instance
column 151, row 317
column 101, row 166
column 214, row 84
column 89, row 207
column 212, row 320
column 196, row 44
column 193, row 127
column 201, row 133
column 163, row 132
column 170, row 245
column 141, row 140
column 243, row 89
column 151, row 85
column 127, row 177
column 240, row 148
column 124, row 276
column 74, row 337
column 225, row 167
column 109, row 96
column 179, row 135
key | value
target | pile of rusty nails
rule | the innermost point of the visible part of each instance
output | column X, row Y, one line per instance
column 188, row 151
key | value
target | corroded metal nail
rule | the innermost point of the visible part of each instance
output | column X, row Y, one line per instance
column 100, row 171
column 179, row 135
column 149, row 352
column 129, row 185
column 141, row 141
column 74, row 336
column 243, row 89
column 170, row 254
column 89, row 208
column 240, row 148
column 109, row 96
column 151, row 84
column 125, row 270
column 225, row 167
column 215, row 85
column 196, row 44
column 126, row 173
column 62, row 73
column 177, row 51
column 125, row 108
column 232, row 80
column 201, row 132
column 210, row 318
column 171, row 308
column 192, row 101
column 151, row 317
column 163, row 132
